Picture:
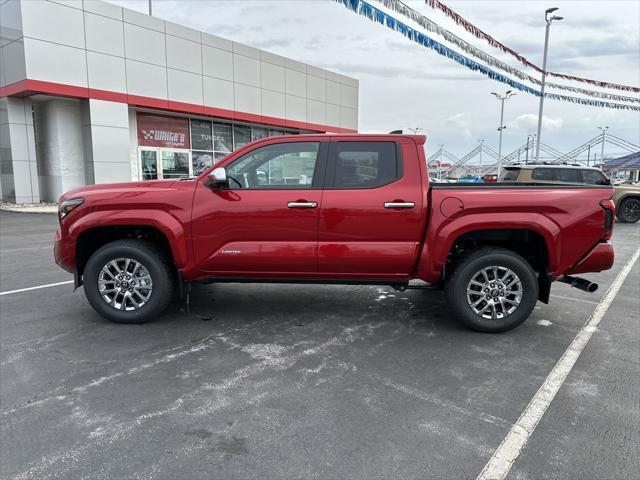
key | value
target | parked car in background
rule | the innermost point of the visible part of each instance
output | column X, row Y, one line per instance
column 352, row 209
column 554, row 173
column 471, row 179
column 491, row 178
column 627, row 200
column 626, row 197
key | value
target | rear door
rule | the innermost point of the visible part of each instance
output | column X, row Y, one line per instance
column 371, row 220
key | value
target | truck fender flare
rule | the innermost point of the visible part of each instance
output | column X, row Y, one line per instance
column 162, row 221
column 438, row 244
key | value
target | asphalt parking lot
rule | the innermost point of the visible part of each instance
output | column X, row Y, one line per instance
column 278, row 381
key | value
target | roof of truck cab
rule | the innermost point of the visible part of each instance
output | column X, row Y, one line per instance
column 419, row 139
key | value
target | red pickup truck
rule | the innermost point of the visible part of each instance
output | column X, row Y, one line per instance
column 348, row 209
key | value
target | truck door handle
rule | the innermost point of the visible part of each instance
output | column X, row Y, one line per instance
column 302, row 205
column 399, row 204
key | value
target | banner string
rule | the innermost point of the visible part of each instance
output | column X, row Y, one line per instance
column 376, row 15
column 478, row 33
column 406, row 11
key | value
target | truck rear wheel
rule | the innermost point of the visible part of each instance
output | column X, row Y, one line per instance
column 492, row 290
column 128, row 281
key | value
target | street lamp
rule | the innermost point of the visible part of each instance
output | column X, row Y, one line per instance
column 481, row 148
column 604, row 133
column 508, row 94
column 548, row 18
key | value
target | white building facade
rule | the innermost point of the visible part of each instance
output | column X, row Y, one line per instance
column 94, row 93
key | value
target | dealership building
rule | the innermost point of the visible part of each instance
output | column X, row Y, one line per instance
column 94, row 93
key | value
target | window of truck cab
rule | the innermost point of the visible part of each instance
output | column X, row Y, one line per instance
column 364, row 164
column 279, row 166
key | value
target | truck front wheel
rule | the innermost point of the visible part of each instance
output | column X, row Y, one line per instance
column 128, row 281
column 492, row 290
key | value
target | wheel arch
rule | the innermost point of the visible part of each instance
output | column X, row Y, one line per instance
column 162, row 230
column 489, row 229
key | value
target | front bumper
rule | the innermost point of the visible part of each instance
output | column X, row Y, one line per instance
column 599, row 258
column 64, row 252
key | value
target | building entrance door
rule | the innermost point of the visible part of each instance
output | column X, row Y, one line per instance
column 164, row 163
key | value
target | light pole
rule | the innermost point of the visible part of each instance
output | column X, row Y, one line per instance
column 548, row 19
column 440, row 166
column 480, row 166
column 508, row 94
column 531, row 137
column 604, row 133
column 150, row 9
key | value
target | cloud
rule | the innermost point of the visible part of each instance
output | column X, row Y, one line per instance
column 529, row 122
column 268, row 43
column 391, row 71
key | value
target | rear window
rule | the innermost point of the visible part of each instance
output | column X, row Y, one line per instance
column 365, row 164
column 510, row 175
column 543, row 174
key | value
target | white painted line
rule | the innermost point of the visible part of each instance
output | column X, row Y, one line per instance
column 9, row 292
column 503, row 458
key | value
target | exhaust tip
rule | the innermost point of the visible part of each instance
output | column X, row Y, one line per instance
column 592, row 287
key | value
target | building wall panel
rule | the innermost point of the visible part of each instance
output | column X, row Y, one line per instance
column 144, row 45
column 146, row 80
column 51, row 62
column 104, row 35
column 185, row 87
column 184, row 54
column 218, row 93
column 217, row 62
column 106, row 72
column 53, row 22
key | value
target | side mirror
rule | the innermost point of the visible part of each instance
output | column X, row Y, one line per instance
column 218, row 179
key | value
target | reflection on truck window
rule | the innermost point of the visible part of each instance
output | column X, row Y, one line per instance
column 287, row 165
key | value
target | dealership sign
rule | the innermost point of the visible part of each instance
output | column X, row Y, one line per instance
column 161, row 131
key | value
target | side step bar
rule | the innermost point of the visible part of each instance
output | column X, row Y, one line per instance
column 579, row 283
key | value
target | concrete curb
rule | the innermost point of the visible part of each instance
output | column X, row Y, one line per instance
column 30, row 209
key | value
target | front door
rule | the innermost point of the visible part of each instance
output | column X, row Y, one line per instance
column 164, row 163
column 372, row 215
column 266, row 223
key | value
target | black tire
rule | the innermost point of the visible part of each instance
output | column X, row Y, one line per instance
column 152, row 259
column 629, row 210
column 470, row 266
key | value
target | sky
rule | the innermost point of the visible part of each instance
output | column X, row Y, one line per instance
column 404, row 85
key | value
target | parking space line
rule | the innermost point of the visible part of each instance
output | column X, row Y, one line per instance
column 506, row 454
column 38, row 287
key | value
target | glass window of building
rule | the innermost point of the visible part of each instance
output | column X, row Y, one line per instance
column 201, row 135
column 274, row 133
column 222, row 138
column 241, row 136
column 259, row 132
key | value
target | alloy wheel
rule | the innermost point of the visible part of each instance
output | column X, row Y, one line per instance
column 125, row 284
column 494, row 292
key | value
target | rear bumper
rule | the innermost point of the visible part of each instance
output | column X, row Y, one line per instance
column 599, row 258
